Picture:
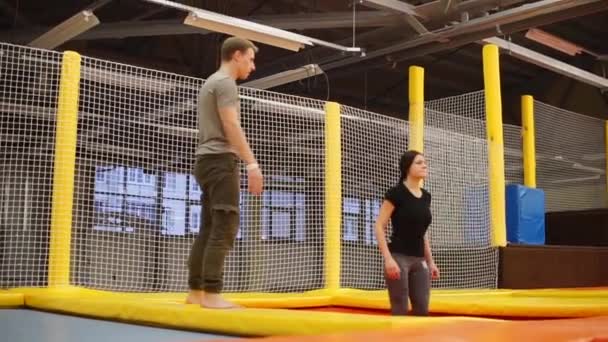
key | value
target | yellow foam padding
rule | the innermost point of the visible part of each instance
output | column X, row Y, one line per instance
column 258, row 300
column 168, row 310
column 545, row 303
column 11, row 299
column 267, row 314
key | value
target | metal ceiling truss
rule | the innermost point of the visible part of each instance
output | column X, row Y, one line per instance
column 501, row 23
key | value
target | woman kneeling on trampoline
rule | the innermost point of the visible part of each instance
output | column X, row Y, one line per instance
column 408, row 261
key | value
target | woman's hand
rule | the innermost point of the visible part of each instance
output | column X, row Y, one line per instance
column 392, row 268
column 434, row 271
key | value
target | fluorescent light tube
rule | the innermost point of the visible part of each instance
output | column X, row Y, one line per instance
column 285, row 77
column 549, row 63
column 553, row 42
column 65, row 31
column 245, row 29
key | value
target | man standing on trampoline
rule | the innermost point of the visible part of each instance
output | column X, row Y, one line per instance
column 408, row 261
column 221, row 143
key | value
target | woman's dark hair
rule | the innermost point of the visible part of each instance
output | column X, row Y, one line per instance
column 405, row 163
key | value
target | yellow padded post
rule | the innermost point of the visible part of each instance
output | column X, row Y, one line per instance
column 529, row 144
column 333, row 196
column 63, row 176
column 496, row 157
column 416, row 116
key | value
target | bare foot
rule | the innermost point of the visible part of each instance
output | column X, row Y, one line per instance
column 195, row 297
column 215, row 301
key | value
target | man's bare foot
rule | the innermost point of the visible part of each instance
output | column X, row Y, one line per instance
column 195, row 297
column 215, row 301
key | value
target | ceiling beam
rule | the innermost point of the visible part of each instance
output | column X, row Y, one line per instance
column 391, row 5
column 408, row 11
column 509, row 21
column 431, row 11
column 549, row 63
column 10, row 11
column 154, row 28
column 474, row 57
column 435, row 10
column 318, row 55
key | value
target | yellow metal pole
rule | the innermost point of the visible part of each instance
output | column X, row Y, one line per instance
column 529, row 144
column 496, row 161
column 333, row 196
column 63, row 177
column 416, row 116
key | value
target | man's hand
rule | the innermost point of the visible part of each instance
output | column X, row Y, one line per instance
column 255, row 181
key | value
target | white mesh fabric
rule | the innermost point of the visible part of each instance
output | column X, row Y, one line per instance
column 28, row 105
column 138, row 207
column 456, row 150
column 514, row 173
column 371, row 147
column 570, row 159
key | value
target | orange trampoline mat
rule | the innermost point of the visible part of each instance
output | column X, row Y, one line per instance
column 594, row 329
column 319, row 313
column 383, row 312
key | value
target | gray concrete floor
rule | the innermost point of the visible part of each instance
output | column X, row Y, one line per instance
column 22, row 325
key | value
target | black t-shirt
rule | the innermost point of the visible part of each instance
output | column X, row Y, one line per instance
column 410, row 219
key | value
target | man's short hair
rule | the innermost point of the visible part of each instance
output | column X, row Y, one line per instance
column 234, row 44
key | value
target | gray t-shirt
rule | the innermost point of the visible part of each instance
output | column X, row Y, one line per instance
column 218, row 91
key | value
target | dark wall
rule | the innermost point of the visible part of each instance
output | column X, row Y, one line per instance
column 577, row 228
column 530, row 267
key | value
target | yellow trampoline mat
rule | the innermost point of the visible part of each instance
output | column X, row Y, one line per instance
column 270, row 314
column 11, row 299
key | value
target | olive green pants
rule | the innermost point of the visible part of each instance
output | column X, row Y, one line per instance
column 218, row 178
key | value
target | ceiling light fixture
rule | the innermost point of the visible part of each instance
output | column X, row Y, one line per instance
column 549, row 63
column 247, row 29
column 70, row 28
column 554, row 42
column 285, row 77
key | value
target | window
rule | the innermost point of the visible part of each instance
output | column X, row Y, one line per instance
column 171, row 181
column 181, row 204
column 372, row 208
column 128, row 199
column 108, row 212
column 132, row 175
column 359, row 216
column 300, row 217
column 195, row 189
column 124, row 199
column 283, row 211
column 195, row 218
column 351, row 209
column 194, row 205
column 100, row 177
